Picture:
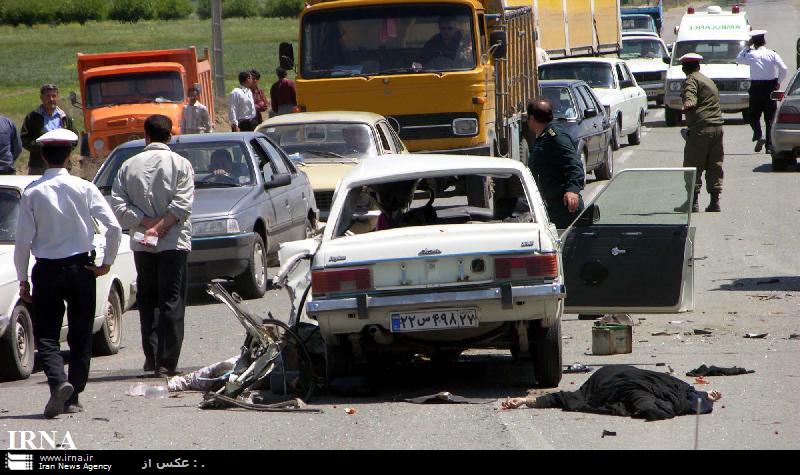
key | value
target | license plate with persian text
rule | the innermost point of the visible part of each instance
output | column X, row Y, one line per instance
column 439, row 319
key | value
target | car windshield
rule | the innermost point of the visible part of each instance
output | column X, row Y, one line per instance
column 215, row 164
column 162, row 86
column 648, row 49
column 9, row 210
column 329, row 142
column 712, row 51
column 561, row 100
column 431, row 201
column 596, row 74
column 638, row 23
column 382, row 40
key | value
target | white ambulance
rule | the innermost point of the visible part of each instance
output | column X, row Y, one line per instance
column 718, row 35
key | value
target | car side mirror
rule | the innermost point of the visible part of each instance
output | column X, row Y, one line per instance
column 589, row 113
column 777, row 95
column 286, row 56
column 666, row 59
column 498, row 44
column 624, row 84
column 277, row 181
column 589, row 216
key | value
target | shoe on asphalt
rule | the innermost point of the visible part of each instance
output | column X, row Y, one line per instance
column 768, row 148
column 55, row 405
column 713, row 207
column 73, row 407
column 760, row 144
column 162, row 372
column 149, row 366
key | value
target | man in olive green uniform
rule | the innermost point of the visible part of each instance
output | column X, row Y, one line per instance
column 555, row 164
column 703, row 149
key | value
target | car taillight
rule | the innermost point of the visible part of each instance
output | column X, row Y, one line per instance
column 788, row 115
column 341, row 280
column 526, row 267
column 690, row 10
column 735, row 9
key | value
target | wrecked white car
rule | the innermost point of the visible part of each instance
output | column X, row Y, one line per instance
column 405, row 266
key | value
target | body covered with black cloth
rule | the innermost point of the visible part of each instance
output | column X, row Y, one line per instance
column 628, row 391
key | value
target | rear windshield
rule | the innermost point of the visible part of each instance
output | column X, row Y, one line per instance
column 596, row 74
column 439, row 200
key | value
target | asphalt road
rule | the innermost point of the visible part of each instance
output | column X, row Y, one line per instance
column 746, row 281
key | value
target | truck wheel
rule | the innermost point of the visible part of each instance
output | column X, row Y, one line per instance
column 781, row 161
column 636, row 137
column 615, row 133
column 108, row 338
column 17, row 346
column 672, row 117
column 746, row 116
column 546, row 350
column 252, row 283
column 606, row 170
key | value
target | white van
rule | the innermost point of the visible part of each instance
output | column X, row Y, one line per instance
column 718, row 36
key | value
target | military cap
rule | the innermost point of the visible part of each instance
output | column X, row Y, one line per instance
column 755, row 33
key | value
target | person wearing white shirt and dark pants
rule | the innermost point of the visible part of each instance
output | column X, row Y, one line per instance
column 55, row 224
column 767, row 72
column 242, row 105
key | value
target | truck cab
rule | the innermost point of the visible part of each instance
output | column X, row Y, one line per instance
column 718, row 36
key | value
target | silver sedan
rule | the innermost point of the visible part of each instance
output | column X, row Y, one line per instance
column 786, row 129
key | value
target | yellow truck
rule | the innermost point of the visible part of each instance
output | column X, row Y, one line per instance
column 451, row 76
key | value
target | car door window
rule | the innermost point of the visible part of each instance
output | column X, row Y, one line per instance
column 595, row 101
column 387, row 148
column 581, row 101
column 586, row 99
column 620, row 75
column 266, row 162
column 385, row 130
column 398, row 144
column 276, row 161
column 629, row 74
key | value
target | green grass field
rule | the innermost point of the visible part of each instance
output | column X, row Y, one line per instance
column 46, row 54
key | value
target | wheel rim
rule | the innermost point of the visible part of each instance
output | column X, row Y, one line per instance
column 259, row 266
column 583, row 163
column 22, row 340
column 112, row 321
column 610, row 159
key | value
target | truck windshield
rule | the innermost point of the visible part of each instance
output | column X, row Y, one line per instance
column 9, row 211
column 163, row 86
column 638, row 23
column 381, row 40
column 329, row 142
column 712, row 51
column 596, row 74
column 647, row 49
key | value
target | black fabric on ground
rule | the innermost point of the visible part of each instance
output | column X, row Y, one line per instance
column 704, row 370
column 629, row 391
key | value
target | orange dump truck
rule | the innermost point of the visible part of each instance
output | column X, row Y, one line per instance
column 120, row 90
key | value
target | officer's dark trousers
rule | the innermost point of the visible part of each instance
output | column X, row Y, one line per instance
column 704, row 152
column 760, row 103
column 162, row 290
column 54, row 282
column 559, row 214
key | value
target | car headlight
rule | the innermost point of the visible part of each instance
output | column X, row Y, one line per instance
column 744, row 85
column 465, row 126
column 215, row 227
column 99, row 144
column 675, row 86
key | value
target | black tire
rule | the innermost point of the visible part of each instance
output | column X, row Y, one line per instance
column 746, row 116
column 615, row 133
column 672, row 117
column 108, row 339
column 606, row 170
column 636, row 137
column 17, row 346
column 253, row 282
column 546, row 350
column 781, row 161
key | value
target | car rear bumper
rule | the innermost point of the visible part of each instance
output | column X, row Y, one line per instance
column 785, row 140
column 495, row 304
column 219, row 256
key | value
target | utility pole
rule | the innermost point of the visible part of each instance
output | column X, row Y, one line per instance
column 216, row 47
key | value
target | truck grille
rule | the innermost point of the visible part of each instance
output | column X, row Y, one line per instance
column 427, row 126
column 119, row 139
column 324, row 199
column 654, row 76
column 729, row 85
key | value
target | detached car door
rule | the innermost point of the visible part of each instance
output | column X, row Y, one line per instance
column 631, row 249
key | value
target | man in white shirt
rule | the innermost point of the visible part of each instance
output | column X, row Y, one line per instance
column 55, row 223
column 767, row 72
column 194, row 119
column 242, row 105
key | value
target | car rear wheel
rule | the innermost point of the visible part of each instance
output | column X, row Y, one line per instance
column 546, row 350
column 17, row 346
column 636, row 137
column 606, row 170
column 672, row 117
column 782, row 160
column 252, row 283
column 108, row 339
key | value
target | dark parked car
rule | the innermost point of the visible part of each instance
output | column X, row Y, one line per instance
column 249, row 198
column 579, row 111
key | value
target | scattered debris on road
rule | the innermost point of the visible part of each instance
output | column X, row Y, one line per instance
column 447, row 398
column 577, row 368
column 794, row 336
column 350, row 411
column 663, row 333
column 704, row 370
column 756, row 335
column 608, row 433
column 703, row 331
column 701, row 380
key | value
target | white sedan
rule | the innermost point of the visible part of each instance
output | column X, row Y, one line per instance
column 424, row 272
column 115, row 292
column 645, row 58
column 625, row 102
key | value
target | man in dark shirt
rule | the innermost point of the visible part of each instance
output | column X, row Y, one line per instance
column 46, row 118
column 283, row 94
column 448, row 44
column 10, row 146
column 555, row 165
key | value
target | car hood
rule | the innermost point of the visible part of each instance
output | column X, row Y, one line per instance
column 211, row 203
column 646, row 65
column 608, row 96
column 715, row 71
column 325, row 176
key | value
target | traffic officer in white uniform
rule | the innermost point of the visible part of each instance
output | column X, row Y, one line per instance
column 767, row 72
column 55, row 224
